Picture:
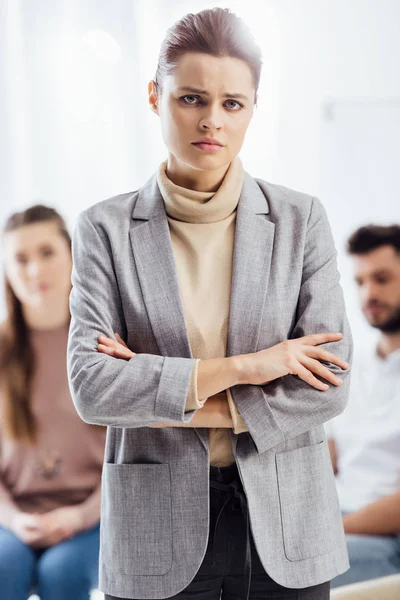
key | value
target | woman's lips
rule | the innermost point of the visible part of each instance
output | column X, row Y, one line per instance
column 205, row 147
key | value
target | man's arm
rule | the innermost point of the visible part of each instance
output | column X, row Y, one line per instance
column 378, row 518
column 332, row 452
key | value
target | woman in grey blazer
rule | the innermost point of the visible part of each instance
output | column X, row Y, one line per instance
column 209, row 335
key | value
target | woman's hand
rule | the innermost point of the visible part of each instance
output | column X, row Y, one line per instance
column 45, row 530
column 58, row 525
column 116, row 348
column 299, row 357
column 26, row 528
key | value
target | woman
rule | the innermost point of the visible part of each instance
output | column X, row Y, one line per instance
column 50, row 461
column 224, row 298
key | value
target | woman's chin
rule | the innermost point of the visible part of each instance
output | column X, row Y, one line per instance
column 207, row 162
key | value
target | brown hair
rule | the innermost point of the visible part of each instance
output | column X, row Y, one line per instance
column 369, row 237
column 217, row 32
column 17, row 361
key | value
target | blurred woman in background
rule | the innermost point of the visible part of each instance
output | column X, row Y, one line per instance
column 50, row 461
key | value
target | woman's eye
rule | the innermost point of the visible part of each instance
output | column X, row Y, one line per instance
column 188, row 99
column 46, row 252
column 236, row 105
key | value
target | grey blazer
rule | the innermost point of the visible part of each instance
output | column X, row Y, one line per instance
column 155, row 483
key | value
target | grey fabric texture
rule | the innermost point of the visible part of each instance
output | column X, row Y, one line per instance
column 155, row 484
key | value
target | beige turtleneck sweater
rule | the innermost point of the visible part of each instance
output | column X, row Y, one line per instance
column 202, row 229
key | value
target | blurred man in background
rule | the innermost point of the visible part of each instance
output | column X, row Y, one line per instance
column 365, row 440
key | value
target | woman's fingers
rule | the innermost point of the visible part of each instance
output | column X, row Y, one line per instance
column 321, row 354
column 316, row 367
column 114, row 348
column 102, row 339
column 106, row 349
column 122, row 352
column 309, row 378
column 314, row 339
column 111, row 351
column 120, row 340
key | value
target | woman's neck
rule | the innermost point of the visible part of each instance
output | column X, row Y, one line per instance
column 48, row 316
column 197, row 180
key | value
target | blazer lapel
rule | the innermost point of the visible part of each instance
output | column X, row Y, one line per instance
column 152, row 250
column 254, row 237
column 155, row 264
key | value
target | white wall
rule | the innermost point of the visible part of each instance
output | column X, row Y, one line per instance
column 76, row 124
column 343, row 55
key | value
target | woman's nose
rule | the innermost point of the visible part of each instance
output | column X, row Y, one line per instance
column 34, row 268
column 211, row 121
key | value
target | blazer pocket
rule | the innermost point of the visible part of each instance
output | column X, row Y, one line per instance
column 310, row 513
column 136, row 530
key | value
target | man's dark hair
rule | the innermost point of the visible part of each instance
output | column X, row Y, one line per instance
column 370, row 237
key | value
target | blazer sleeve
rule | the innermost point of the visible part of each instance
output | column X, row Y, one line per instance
column 288, row 406
column 145, row 390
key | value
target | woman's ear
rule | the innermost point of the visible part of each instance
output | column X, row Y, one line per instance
column 153, row 96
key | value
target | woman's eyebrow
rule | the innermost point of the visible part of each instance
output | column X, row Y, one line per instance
column 205, row 93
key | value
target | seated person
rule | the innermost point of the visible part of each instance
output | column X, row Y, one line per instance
column 50, row 460
column 365, row 440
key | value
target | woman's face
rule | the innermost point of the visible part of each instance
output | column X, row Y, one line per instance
column 37, row 263
column 210, row 97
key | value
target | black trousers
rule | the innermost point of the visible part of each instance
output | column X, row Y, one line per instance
column 231, row 568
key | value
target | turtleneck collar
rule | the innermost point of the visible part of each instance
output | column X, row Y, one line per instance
column 191, row 206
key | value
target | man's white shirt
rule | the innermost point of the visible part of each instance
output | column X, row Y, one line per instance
column 367, row 433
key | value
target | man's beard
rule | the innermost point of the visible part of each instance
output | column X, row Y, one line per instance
column 391, row 324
